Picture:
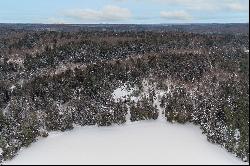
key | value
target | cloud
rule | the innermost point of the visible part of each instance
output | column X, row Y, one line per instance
column 238, row 7
column 148, row 11
column 208, row 5
column 108, row 13
column 176, row 15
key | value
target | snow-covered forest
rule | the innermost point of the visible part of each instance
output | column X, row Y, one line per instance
column 54, row 80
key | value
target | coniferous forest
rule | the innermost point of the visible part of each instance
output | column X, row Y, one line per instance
column 56, row 76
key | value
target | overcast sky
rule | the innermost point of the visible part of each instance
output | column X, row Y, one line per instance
column 124, row 11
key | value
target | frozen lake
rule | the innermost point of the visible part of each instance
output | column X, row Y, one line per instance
column 148, row 142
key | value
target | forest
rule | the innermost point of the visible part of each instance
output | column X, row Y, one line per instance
column 51, row 80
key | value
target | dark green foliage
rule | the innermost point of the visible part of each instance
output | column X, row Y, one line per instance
column 143, row 111
column 120, row 112
column 58, row 118
column 178, row 107
column 238, row 120
column 105, row 119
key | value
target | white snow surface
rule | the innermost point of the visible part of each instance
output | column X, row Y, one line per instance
column 125, row 92
column 122, row 93
column 146, row 142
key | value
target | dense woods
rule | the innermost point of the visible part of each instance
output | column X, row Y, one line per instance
column 52, row 80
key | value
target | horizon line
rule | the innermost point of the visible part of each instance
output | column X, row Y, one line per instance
column 127, row 23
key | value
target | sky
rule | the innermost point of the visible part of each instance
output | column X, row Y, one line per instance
column 124, row 11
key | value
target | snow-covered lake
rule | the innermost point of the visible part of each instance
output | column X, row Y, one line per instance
column 148, row 142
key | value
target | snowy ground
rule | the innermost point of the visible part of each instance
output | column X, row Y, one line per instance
column 148, row 142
